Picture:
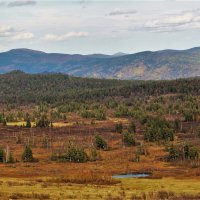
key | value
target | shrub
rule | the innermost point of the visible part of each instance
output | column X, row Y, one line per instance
column 188, row 115
column 100, row 142
column 100, row 114
column 173, row 153
column 177, row 125
column 75, row 154
column 132, row 127
column 119, row 128
column 43, row 122
column 121, row 111
column 129, row 139
column 87, row 114
column 1, row 117
column 72, row 153
column 198, row 131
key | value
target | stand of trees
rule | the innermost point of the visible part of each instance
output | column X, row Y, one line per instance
column 183, row 152
column 158, row 129
column 74, row 153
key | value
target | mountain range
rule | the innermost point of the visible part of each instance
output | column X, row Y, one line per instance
column 158, row 65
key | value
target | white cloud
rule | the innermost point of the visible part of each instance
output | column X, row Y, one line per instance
column 118, row 11
column 53, row 37
column 6, row 31
column 171, row 22
column 21, row 3
column 10, row 32
column 23, row 36
column 4, row 28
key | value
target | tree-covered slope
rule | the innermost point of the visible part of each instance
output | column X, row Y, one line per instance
column 20, row 88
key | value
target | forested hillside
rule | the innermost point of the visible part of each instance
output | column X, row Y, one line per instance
column 20, row 88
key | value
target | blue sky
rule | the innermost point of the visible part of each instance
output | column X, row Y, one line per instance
column 89, row 26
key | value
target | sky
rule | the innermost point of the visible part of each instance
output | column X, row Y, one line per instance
column 97, row 26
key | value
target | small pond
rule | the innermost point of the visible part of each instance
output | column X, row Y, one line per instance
column 142, row 175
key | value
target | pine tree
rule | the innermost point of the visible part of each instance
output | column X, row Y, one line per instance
column 28, row 122
column 2, row 155
column 27, row 155
column 4, row 122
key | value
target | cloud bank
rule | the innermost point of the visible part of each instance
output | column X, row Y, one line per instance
column 173, row 22
column 6, row 31
column 53, row 37
column 23, row 36
column 18, row 3
column 118, row 11
column 12, row 33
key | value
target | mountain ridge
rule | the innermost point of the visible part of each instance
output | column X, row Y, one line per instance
column 146, row 65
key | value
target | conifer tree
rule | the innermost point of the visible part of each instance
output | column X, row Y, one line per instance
column 27, row 155
column 28, row 122
column 2, row 155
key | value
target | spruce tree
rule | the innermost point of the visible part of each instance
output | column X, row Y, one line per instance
column 4, row 122
column 28, row 122
column 27, row 155
column 2, row 155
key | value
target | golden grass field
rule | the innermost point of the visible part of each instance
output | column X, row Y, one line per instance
column 126, row 189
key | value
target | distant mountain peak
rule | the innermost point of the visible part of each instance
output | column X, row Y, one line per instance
column 165, row 64
column 118, row 54
column 194, row 49
column 24, row 50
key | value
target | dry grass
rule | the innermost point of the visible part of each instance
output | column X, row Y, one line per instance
column 92, row 180
column 149, row 189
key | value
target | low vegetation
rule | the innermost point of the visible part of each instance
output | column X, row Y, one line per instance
column 77, row 133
